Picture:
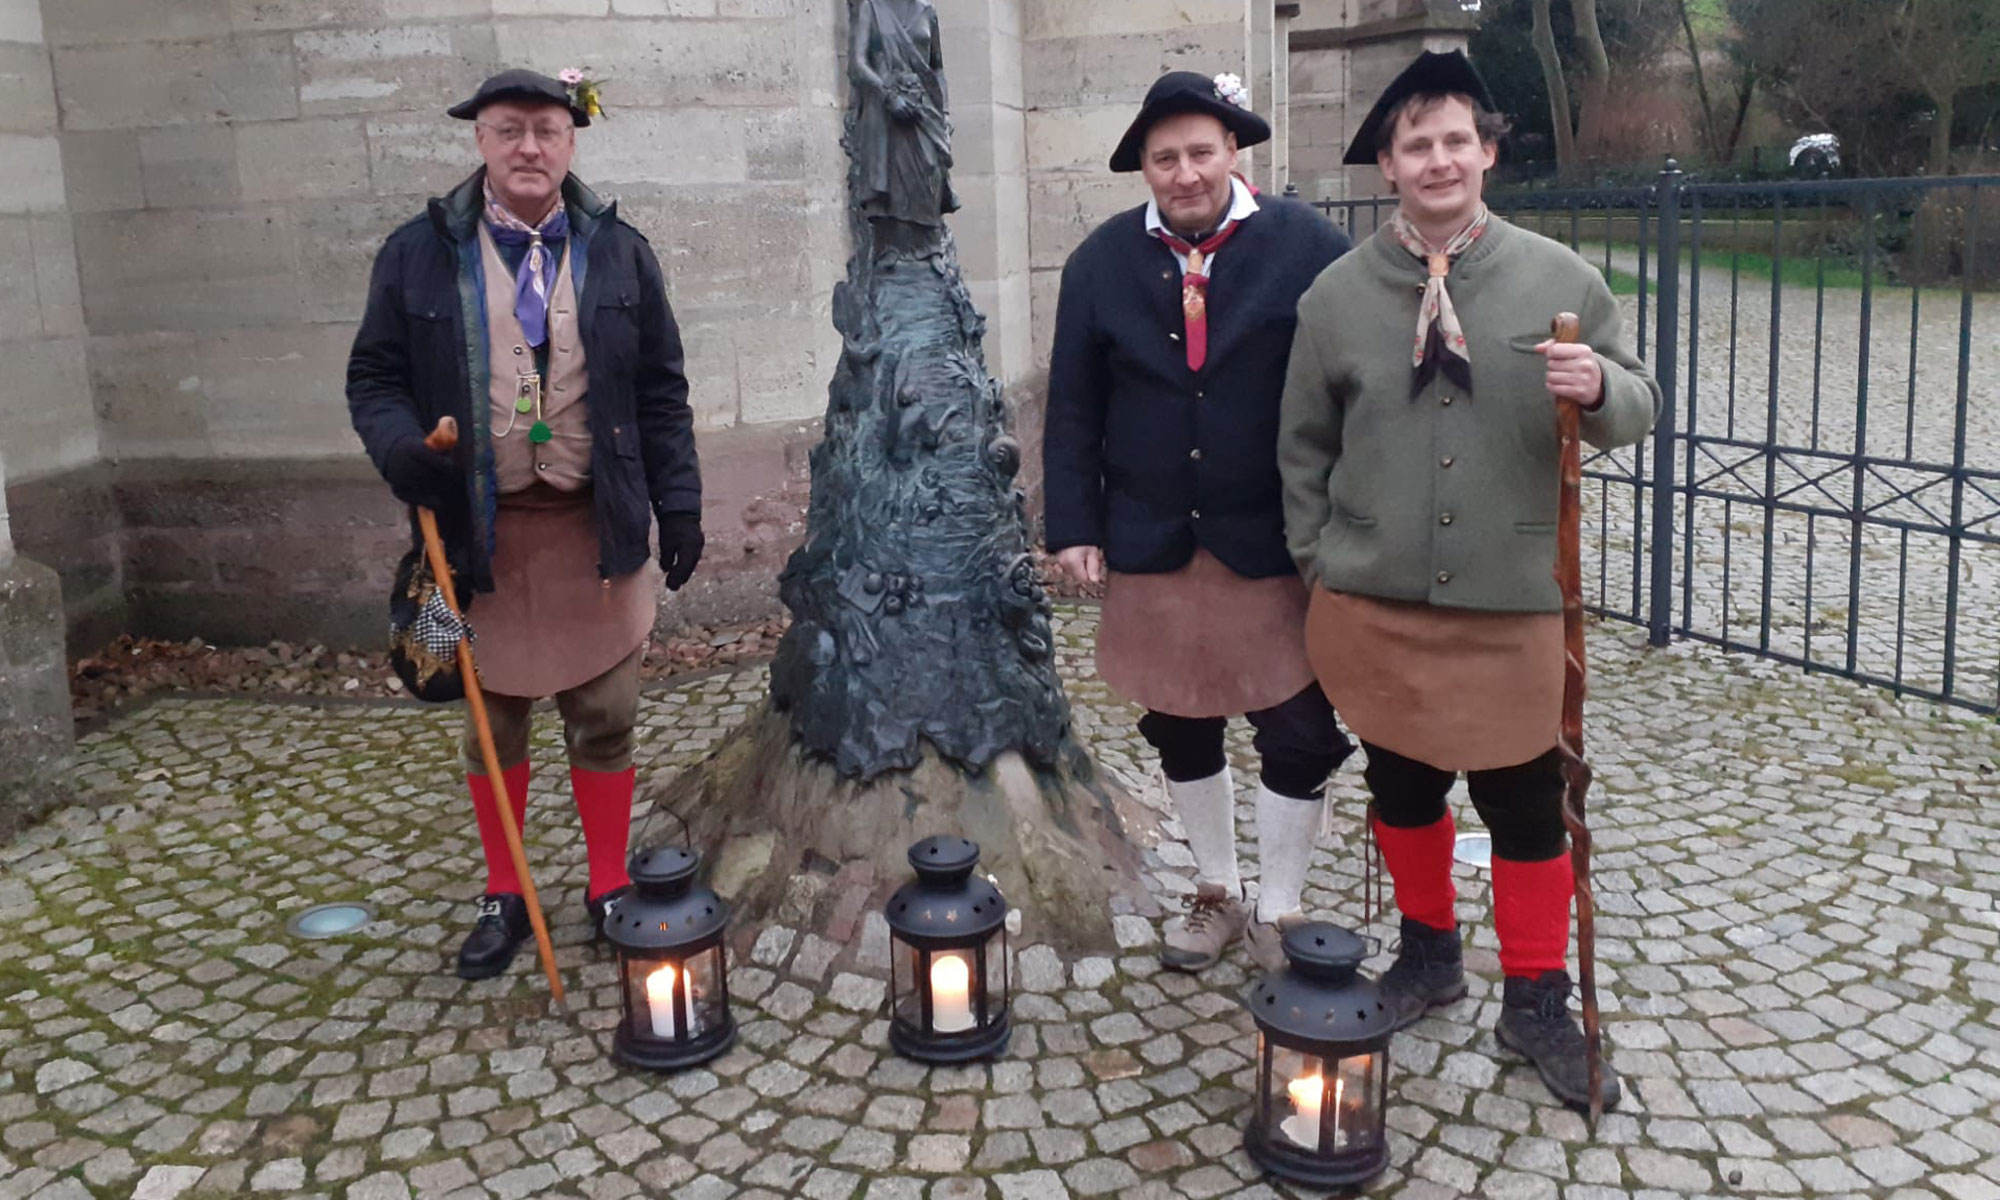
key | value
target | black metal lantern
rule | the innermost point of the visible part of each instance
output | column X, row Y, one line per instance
column 1322, row 1063
column 672, row 969
column 948, row 958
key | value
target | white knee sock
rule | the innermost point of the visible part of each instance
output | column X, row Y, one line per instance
column 1207, row 809
column 1287, row 832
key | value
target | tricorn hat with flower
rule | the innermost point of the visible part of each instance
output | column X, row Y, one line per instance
column 580, row 98
column 1220, row 96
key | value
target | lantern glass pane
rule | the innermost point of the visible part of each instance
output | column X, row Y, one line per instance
column 710, row 999
column 656, row 998
column 906, row 964
column 996, row 978
column 1296, row 1107
column 950, row 977
column 1363, row 1086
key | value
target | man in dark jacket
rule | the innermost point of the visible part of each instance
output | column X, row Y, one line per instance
column 1160, row 456
column 523, row 307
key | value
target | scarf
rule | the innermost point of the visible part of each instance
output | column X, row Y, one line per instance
column 538, row 265
column 1440, row 340
column 1194, row 286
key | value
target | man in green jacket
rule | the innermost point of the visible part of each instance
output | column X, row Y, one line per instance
column 1419, row 453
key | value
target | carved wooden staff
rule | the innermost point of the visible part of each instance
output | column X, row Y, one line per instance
column 1576, row 772
column 442, row 439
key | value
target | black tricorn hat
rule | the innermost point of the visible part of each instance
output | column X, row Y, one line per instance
column 519, row 84
column 1186, row 92
column 1432, row 74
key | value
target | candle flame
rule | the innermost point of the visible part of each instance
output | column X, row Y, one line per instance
column 660, row 984
column 949, row 973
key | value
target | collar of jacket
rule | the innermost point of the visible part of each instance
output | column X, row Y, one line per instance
column 455, row 215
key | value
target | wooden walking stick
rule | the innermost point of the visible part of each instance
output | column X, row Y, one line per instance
column 1576, row 772
column 442, row 439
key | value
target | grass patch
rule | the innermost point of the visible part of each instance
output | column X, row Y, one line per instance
column 1624, row 283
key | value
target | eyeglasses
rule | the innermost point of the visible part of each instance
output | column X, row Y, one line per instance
column 546, row 132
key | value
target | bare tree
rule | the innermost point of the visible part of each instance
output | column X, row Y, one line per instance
column 1552, row 76
column 1945, row 47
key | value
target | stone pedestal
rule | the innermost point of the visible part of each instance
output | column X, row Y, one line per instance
column 36, row 735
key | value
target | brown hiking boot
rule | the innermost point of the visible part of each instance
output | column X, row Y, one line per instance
column 1266, row 940
column 1213, row 920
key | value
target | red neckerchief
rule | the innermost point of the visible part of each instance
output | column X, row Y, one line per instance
column 1194, row 288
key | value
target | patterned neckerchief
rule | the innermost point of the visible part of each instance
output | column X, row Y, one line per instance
column 1439, row 338
column 537, row 271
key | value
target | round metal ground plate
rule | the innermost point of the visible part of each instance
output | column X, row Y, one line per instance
column 1473, row 849
column 330, row 920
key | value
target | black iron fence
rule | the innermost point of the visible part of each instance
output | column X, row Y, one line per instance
column 1823, row 487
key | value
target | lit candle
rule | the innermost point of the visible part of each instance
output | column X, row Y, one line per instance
column 951, row 994
column 660, row 998
column 1307, row 1095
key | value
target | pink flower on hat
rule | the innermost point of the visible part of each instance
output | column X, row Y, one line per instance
column 571, row 76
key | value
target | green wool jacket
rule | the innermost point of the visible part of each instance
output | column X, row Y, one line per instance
column 1444, row 498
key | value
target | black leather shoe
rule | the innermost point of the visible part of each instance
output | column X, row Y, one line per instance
column 1429, row 972
column 500, row 930
column 600, row 907
column 1535, row 1023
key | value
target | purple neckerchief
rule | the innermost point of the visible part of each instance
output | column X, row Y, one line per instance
column 538, row 266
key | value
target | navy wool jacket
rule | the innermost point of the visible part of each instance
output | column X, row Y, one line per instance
column 1142, row 456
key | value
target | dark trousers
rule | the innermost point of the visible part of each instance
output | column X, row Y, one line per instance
column 1298, row 744
column 1521, row 805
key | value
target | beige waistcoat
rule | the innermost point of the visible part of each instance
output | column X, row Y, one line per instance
column 563, row 462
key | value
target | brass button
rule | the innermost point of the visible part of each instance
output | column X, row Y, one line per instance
column 1446, row 461
column 1445, row 519
column 1195, row 454
column 1195, row 513
column 1444, row 576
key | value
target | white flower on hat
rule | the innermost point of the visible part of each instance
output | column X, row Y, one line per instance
column 1230, row 88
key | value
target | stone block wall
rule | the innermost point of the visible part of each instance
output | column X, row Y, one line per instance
column 45, row 406
column 1087, row 68
column 234, row 167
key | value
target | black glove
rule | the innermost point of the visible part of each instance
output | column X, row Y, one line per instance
column 680, row 546
column 422, row 476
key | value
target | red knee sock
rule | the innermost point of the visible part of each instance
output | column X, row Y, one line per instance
column 500, row 864
column 1419, row 862
column 1531, row 914
column 604, row 804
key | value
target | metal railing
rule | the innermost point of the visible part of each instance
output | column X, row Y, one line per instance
column 1823, row 485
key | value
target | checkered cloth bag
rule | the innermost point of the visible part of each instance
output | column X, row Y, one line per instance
column 424, row 633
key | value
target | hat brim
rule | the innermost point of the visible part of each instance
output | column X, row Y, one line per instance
column 1432, row 74
column 469, row 110
column 1249, row 128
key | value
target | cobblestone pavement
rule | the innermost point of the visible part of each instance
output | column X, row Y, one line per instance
column 1798, row 933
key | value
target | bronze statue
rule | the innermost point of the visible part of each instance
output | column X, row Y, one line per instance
column 901, row 140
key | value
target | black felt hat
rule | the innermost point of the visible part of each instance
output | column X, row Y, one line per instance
column 1188, row 92
column 519, row 84
column 1432, row 74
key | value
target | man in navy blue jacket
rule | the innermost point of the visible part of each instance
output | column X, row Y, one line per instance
column 523, row 307
column 1160, row 455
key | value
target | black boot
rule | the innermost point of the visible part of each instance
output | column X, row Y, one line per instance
column 1429, row 972
column 1535, row 1023
column 500, row 930
column 600, row 907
